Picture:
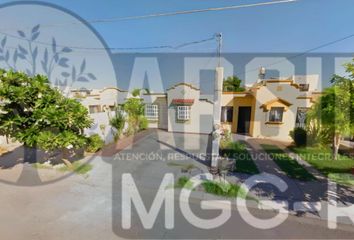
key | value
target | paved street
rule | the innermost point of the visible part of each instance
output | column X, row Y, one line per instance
column 90, row 208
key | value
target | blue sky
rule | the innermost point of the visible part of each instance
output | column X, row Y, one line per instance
column 281, row 30
column 292, row 27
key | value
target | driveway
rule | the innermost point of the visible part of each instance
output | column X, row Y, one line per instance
column 90, row 208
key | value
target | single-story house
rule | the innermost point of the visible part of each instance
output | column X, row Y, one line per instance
column 270, row 108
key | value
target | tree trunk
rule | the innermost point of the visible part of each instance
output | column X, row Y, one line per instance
column 335, row 147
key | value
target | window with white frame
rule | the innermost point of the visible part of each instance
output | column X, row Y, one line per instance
column 183, row 113
column 276, row 114
column 151, row 111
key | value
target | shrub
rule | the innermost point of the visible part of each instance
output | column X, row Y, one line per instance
column 135, row 110
column 237, row 146
column 143, row 123
column 94, row 143
column 319, row 136
column 184, row 182
column 226, row 139
column 299, row 135
column 230, row 145
column 118, row 122
column 224, row 189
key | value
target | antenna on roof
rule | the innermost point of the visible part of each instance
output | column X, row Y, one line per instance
column 262, row 73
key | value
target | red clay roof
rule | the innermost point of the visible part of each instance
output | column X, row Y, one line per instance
column 179, row 101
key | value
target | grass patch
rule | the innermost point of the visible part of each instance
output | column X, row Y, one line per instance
column 183, row 182
column 225, row 190
column 346, row 179
column 216, row 188
column 238, row 151
column 290, row 166
column 77, row 167
column 321, row 159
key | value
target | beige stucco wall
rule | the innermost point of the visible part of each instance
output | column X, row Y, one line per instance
column 201, row 111
column 282, row 90
column 227, row 99
column 103, row 97
column 313, row 80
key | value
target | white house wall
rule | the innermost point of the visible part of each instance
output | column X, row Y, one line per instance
column 201, row 113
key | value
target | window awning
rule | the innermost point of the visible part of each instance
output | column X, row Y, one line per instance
column 277, row 102
column 178, row 101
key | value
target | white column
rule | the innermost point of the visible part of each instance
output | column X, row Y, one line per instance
column 219, row 76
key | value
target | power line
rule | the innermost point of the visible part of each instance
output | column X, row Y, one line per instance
column 233, row 7
column 173, row 47
column 168, row 14
column 303, row 53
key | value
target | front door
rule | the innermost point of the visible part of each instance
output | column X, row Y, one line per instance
column 244, row 120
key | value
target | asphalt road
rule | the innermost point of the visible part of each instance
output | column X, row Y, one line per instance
column 91, row 207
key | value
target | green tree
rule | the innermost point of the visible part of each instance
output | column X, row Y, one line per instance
column 137, row 91
column 134, row 108
column 37, row 115
column 232, row 84
column 335, row 108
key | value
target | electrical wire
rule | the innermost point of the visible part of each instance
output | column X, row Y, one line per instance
column 117, row 48
column 168, row 14
column 301, row 54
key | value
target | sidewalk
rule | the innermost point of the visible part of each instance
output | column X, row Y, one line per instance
column 316, row 196
column 124, row 142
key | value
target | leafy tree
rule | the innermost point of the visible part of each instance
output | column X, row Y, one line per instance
column 335, row 108
column 134, row 108
column 34, row 113
column 232, row 84
column 136, row 91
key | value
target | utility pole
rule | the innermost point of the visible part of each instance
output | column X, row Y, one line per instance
column 219, row 40
column 216, row 134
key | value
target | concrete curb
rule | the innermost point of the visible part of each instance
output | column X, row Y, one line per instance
column 311, row 210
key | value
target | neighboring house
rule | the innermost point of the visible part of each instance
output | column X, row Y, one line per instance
column 100, row 103
column 100, row 100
